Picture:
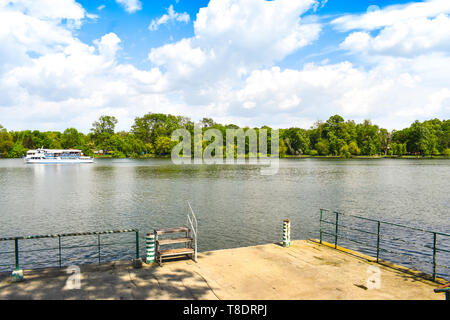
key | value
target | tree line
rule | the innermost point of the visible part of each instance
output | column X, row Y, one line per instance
column 150, row 136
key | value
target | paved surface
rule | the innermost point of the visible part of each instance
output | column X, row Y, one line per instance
column 306, row 270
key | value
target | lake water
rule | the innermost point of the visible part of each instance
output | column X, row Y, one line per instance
column 235, row 205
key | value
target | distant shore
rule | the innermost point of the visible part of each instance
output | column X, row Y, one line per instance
column 305, row 157
column 366, row 157
column 293, row 157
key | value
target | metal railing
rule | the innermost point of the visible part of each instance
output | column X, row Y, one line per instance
column 18, row 243
column 371, row 235
column 193, row 224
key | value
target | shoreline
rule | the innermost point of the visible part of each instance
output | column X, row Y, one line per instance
column 295, row 157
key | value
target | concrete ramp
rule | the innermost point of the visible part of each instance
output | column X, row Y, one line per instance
column 306, row 270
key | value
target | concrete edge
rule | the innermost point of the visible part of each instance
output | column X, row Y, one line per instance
column 416, row 273
column 126, row 264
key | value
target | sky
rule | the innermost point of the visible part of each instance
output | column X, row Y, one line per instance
column 282, row 63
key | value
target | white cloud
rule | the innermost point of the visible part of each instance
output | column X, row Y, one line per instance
column 404, row 37
column 130, row 6
column 385, row 93
column 69, row 81
column 392, row 15
column 108, row 46
column 180, row 59
column 46, row 9
column 403, row 72
column 233, row 37
column 26, row 28
column 319, row 5
column 410, row 29
column 267, row 30
column 49, row 79
column 66, row 82
column 166, row 18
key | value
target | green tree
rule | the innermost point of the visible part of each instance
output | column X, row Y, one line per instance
column 353, row 148
column 18, row 151
column 163, row 145
column 368, row 138
column 297, row 141
column 71, row 138
column 105, row 124
column 6, row 142
column 282, row 149
column 421, row 138
column 153, row 125
column 131, row 144
column 208, row 123
column 316, row 132
column 385, row 140
column 335, row 143
column 103, row 132
column 344, row 152
column 152, row 132
column 322, row 147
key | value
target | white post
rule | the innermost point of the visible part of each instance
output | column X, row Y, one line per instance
column 286, row 233
column 150, row 247
column 17, row 276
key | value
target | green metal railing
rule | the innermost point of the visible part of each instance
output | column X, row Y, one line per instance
column 376, row 232
column 20, row 242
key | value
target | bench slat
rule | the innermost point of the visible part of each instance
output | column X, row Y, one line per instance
column 171, row 230
column 175, row 252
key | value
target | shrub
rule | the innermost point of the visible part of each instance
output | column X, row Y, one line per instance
column 353, row 148
column 118, row 154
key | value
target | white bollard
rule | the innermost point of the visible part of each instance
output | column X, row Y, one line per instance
column 17, row 275
column 150, row 247
column 286, row 233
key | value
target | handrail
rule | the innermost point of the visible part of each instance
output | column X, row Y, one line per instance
column 338, row 235
column 194, row 226
column 60, row 247
column 388, row 223
column 68, row 234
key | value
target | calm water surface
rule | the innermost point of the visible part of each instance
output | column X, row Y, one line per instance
column 235, row 205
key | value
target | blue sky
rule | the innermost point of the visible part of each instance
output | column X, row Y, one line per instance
column 282, row 63
column 132, row 28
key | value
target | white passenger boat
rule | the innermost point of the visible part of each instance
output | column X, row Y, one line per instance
column 53, row 156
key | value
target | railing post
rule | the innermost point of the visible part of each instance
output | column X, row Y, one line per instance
column 434, row 255
column 337, row 229
column 150, row 248
column 378, row 241
column 137, row 244
column 59, row 251
column 286, row 233
column 321, row 217
column 17, row 274
column 99, row 248
column 16, row 254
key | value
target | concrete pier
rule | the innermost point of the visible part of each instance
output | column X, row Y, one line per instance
column 305, row 270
